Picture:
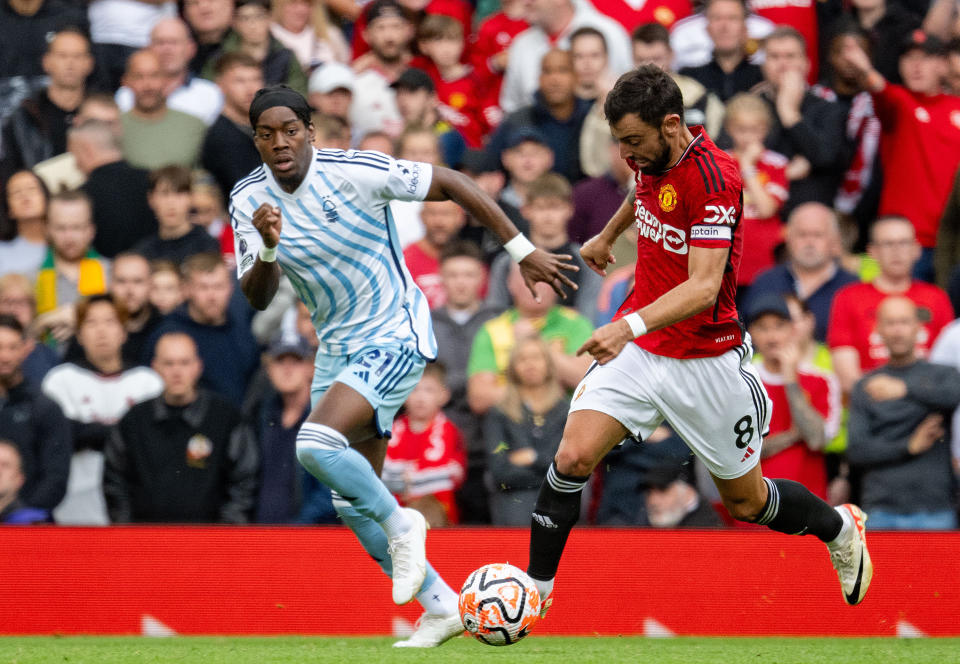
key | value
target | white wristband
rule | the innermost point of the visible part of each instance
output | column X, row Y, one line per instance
column 637, row 326
column 268, row 254
column 519, row 247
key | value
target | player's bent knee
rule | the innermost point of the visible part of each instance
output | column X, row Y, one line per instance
column 575, row 461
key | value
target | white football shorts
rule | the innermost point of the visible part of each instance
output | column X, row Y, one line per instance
column 718, row 405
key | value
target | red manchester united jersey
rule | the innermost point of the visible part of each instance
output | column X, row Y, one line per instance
column 697, row 203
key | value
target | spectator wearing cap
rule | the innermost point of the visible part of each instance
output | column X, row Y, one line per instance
column 920, row 140
column 184, row 456
column 553, row 21
column 556, row 113
column 806, row 407
column 419, row 106
column 171, row 41
column 525, row 157
column 32, row 422
column 390, row 35
column 330, row 89
column 12, row 509
column 898, row 430
column 228, row 152
column 672, row 499
column 250, row 34
column 287, row 493
column 154, row 134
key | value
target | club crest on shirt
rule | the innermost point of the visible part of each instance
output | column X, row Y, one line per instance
column 667, row 198
column 199, row 447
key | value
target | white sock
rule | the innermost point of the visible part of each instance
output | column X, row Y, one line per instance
column 397, row 523
column 845, row 529
column 439, row 599
column 545, row 588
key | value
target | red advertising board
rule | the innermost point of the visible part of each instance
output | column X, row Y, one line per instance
column 319, row 581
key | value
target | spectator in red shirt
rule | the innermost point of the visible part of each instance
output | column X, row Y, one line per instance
column 855, row 345
column 420, row 107
column 630, row 13
column 806, row 401
column 464, row 93
column 920, row 141
column 488, row 47
column 442, row 220
column 764, row 174
column 426, row 459
column 415, row 11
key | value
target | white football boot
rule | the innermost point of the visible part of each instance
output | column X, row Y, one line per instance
column 433, row 631
column 850, row 557
column 408, row 552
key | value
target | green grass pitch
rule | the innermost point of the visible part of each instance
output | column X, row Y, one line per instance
column 534, row 650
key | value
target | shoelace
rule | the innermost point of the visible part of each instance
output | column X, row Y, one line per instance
column 401, row 564
column 843, row 556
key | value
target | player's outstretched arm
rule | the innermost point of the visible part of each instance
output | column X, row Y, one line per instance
column 261, row 282
column 535, row 264
column 699, row 291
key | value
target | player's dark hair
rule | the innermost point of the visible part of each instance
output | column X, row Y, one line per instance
column 11, row 323
column 651, row 33
column 461, row 249
column 648, row 92
column 587, row 31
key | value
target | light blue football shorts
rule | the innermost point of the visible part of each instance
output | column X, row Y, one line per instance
column 384, row 375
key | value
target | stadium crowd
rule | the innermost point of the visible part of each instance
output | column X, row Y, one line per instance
column 137, row 384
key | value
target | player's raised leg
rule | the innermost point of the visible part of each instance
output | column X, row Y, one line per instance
column 324, row 449
column 789, row 507
column 587, row 437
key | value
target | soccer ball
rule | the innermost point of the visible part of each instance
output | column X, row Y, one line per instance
column 499, row 604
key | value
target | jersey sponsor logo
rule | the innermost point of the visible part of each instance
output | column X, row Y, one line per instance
column 243, row 247
column 922, row 114
column 246, row 262
column 674, row 239
column 411, row 172
column 719, row 214
column 648, row 226
column 664, row 16
column 667, row 198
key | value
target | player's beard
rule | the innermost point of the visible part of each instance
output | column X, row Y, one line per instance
column 659, row 165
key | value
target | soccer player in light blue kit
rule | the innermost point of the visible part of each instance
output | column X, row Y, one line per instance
column 321, row 216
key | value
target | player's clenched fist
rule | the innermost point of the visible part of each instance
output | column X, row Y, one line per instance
column 267, row 222
column 606, row 342
column 596, row 254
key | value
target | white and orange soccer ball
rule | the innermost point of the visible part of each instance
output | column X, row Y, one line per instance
column 499, row 604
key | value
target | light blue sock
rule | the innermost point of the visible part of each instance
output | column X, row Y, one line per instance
column 373, row 539
column 327, row 455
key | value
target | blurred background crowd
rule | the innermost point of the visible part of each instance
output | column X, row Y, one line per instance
column 137, row 385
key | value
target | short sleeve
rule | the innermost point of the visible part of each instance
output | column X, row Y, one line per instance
column 246, row 239
column 380, row 177
column 714, row 217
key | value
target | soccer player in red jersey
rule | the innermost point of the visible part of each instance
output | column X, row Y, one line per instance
column 676, row 350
